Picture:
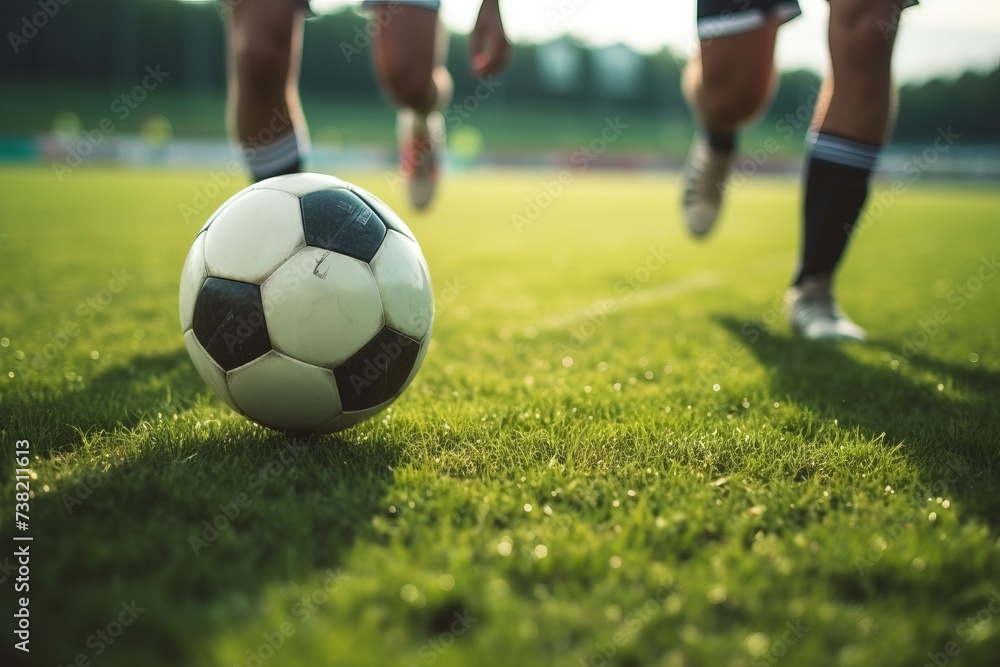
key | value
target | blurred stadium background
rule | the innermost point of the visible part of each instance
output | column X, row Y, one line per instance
column 73, row 88
column 587, row 429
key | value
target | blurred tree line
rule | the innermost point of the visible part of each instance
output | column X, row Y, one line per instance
column 109, row 43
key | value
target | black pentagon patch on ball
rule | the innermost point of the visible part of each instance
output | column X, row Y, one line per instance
column 340, row 221
column 376, row 372
column 388, row 216
column 229, row 322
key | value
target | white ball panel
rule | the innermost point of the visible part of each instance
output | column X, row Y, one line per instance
column 213, row 375
column 285, row 393
column 219, row 210
column 254, row 235
column 302, row 184
column 405, row 285
column 192, row 276
column 321, row 306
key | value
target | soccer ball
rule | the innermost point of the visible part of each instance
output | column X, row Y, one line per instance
column 306, row 303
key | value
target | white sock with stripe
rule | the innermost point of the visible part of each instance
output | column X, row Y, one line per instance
column 284, row 155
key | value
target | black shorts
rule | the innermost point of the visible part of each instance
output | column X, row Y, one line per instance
column 433, row 5
column 720, row 18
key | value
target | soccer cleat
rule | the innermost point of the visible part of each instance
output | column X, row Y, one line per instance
column 705, row 173
column 814, row 315
column 421, row 146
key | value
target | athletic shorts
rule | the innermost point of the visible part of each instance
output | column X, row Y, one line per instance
column 433, row 5
column 426, row 4
column 721, row 18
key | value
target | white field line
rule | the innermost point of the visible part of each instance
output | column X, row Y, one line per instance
column 689, row 284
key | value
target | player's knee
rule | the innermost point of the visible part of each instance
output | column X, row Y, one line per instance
column 407, row 85
column 733, row 105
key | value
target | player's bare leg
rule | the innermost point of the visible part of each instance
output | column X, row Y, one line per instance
column 727, row 88
column 264, row 113
column 849, row 127
column 410, row 52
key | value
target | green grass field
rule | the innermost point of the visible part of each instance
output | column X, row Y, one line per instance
column 615, row 453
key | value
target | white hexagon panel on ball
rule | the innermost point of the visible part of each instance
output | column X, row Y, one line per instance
column 405, row 285
column 285, row 393
column 253, row 235
column 321, row 306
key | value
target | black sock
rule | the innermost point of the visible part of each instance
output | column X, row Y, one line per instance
column 721, row 143
column 836, row 186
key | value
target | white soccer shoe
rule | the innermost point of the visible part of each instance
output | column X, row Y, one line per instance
column 421, row 150
column 814, row 315
column 705, row 174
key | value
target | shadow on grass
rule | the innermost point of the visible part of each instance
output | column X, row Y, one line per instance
column 953, row 439
column 200, row 533
column 120, row 397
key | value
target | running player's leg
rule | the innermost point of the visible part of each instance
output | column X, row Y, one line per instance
column 727, row 87
column 730, row 83
column 409, row 52
column 264, row 114
column 823, row 103
column 849, row 127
